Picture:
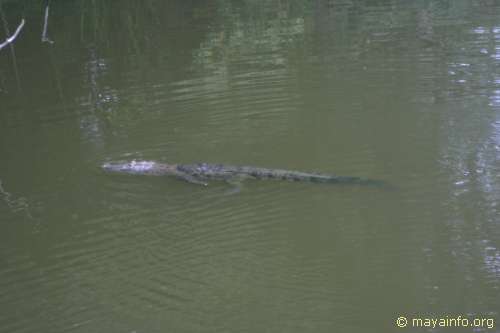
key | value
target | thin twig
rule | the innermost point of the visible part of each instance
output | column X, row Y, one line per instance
column 12, row 51
column 46, row 38
column 14, row 36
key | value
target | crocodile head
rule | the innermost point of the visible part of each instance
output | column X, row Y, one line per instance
column 131, row 167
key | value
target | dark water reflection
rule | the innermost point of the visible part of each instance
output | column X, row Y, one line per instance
column 401, row 91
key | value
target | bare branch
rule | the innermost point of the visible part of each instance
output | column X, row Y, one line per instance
column 14, row 36
column 45, row 37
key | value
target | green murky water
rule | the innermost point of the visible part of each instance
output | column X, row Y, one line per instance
column 407, row 92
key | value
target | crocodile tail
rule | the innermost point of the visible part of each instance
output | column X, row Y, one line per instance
column 356, row 181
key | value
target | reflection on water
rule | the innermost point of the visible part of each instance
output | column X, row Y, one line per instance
column 400, row 91
column 14, row 204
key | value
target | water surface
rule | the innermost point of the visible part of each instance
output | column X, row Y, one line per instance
column 405, row 92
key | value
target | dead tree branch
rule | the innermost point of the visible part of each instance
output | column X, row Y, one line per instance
column 14, row 36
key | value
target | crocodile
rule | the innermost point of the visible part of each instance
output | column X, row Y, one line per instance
column 201, row 173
